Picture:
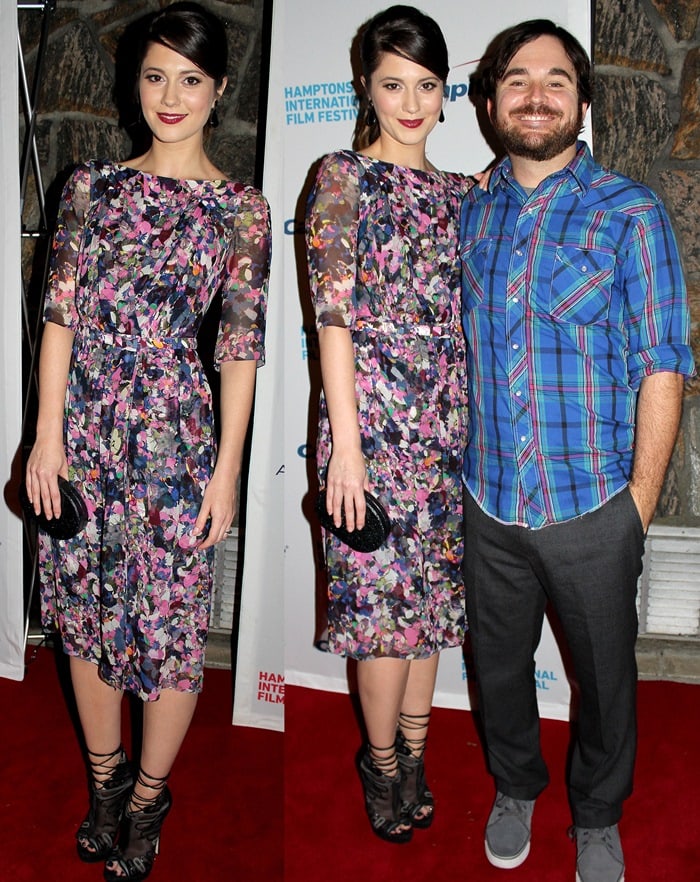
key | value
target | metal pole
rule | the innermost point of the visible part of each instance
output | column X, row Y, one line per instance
column 46, row 6
column 30, row 150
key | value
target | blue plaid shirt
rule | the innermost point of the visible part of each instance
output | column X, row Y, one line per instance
column 571, row 296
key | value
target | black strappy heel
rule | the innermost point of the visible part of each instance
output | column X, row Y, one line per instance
column 381, row 779
column 110, row 786
column 417, row 801
column 139, row 836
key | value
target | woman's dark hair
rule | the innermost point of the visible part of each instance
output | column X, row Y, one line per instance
column 502, row 49
column 404, row 31
column 192, row 31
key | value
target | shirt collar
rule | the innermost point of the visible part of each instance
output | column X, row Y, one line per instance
column 580, row 169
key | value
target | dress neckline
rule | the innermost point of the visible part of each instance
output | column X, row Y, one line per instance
column 214, row 182
column 406, row 168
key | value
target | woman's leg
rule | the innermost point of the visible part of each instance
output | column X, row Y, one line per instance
column 99, row 708
column 382, row 684
column 397, row 692
column 414, row 713
column 414, row 718
column 165, row 724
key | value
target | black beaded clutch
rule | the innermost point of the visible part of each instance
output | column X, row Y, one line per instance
column 73, row 512
column 371, row 537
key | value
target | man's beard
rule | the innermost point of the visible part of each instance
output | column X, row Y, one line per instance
column 540, row 146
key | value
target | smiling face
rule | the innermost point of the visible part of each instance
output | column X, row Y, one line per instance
column 176, row 96
column 537, row 112
column 407, row 99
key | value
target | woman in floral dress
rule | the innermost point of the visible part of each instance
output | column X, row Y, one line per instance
column 125, row 413
column 382, row 231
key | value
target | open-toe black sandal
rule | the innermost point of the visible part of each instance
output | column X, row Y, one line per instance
column 110, row 787
column 383, row 798
column 139, row 838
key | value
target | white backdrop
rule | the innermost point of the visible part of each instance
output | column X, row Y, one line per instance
column 11, row 593
column 259, row 693
column 311, row 111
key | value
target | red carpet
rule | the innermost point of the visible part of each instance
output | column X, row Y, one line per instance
column 226, row 821
column 327, row 835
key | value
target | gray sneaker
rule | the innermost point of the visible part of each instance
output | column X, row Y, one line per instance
column 599, row 855
column 508, row 831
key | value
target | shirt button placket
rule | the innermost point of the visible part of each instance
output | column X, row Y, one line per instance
column 518, row 366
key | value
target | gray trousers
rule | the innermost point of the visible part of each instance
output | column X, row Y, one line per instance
column 587, row 569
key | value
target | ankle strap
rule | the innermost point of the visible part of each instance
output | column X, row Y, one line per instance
column 151, row 781
column 138, row 802
column 409, row 723
column 414, row 721
column 388, row 764
column 101, row 764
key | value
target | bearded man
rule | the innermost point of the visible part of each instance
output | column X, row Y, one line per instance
column 576, row 319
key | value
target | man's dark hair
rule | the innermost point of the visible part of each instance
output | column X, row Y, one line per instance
column 500, row 52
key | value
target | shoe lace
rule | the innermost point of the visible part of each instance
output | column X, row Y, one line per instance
column 103, row 765
column 138, row 801
column 586, row 836
column 507, row 805
column 414, row 732
column 384, row 759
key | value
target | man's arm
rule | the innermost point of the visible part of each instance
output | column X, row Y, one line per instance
column 658, row 416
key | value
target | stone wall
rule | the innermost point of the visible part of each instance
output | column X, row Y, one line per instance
column 646, row 124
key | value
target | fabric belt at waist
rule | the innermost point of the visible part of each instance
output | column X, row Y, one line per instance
column 419, row 330
column 137, row 341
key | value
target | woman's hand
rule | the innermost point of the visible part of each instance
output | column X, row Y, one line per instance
column 218, row 509
column 48, row 457
column 219, row 502
column 46, row 462
column 346, row 482
column 482, row 178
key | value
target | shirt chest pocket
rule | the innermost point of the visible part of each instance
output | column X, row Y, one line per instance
column 475, row 256
column 581, row 285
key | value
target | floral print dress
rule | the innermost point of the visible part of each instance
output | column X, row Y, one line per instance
column 383, row 262
column 136, row 261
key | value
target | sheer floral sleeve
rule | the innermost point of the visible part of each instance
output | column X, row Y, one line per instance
column 242, row 328
column 331, row 240
column 59, row 306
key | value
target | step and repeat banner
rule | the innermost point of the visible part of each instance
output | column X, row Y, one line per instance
column 311, row 111
column 11, row 594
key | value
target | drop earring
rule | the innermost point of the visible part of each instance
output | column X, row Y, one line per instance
column 213, row 120
column 441, row 118
column 371, row 115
